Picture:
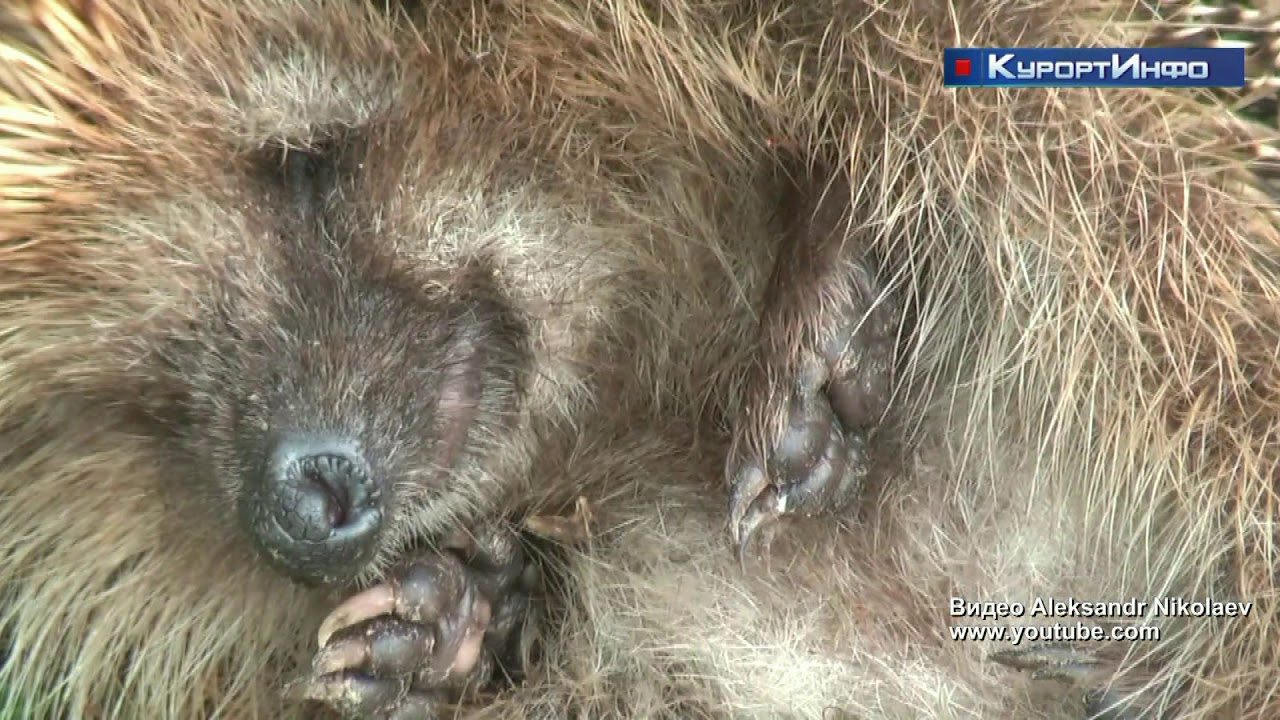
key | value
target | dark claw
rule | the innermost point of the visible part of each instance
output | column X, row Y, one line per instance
column 814, row 468
column 1105, row 695
column 747, row 486
column 1053, row 662
column 765, row 509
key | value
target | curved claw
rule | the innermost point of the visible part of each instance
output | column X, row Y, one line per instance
column 351, row 694
column 815, row 469
column 745, row 485
column 384, row 648
column 766, row 508
column 465, row 653
column 366, row 605
column 1053, row 662
column 342, row 655
column 460, row 637
column 1106, row 696
column 421, row 594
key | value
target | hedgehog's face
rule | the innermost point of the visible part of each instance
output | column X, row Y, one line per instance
column 340, row 394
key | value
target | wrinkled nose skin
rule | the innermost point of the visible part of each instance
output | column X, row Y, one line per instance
column 316, row 509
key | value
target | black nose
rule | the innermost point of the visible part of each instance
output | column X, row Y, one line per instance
column 317, row 511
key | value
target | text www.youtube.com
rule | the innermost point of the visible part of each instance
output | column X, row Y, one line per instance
column 1065, row 632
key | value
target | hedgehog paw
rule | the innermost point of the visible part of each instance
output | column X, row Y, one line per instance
column 443, row 623
column 800, row 448
column 1106, row 694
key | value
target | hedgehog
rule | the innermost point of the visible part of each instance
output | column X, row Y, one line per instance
column 640, row 359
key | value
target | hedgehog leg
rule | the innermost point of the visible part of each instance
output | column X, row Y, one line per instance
column 444, row 622
column 828, row 335
column 1107, row 693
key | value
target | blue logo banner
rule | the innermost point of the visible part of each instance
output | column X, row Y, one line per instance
column 1093, row 67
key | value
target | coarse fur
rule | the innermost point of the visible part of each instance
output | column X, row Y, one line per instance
column 1086, row 398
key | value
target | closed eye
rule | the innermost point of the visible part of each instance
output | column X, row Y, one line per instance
column 302, row 174
column 309, row 175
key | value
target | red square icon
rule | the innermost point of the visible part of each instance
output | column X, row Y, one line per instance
column 962, row 67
